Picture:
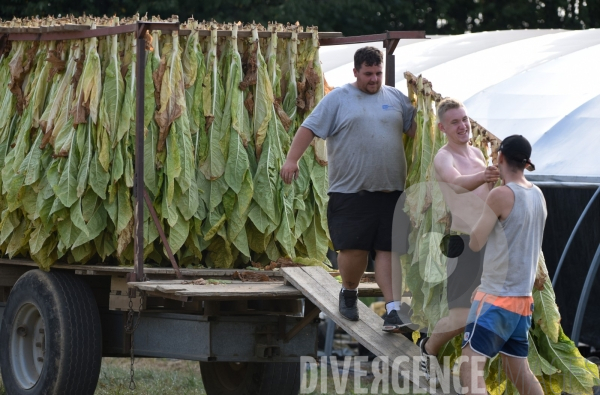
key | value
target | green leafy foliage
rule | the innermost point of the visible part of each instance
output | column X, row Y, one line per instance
column 214, row 142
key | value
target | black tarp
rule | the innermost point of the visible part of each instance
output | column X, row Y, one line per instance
column 565, row 205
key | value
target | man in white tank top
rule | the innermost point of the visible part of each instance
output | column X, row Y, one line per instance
column 512, row 225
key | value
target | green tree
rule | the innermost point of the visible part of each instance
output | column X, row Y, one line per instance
column 352, row 17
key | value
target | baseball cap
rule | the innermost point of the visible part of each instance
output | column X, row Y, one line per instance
column 517, row 148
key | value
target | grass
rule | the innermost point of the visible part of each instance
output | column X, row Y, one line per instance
column 175, row 377
column 152, row 376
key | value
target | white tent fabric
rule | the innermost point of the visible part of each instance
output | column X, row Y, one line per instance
column 543, row 84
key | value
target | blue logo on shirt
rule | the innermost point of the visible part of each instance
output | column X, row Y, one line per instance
column 386, row 107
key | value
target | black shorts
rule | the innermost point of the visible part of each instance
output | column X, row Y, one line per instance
column 362, row 220
column 464, row 273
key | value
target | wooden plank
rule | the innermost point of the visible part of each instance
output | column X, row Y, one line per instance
column 323, row 291
column 366, row 289
column 147, row 270
column 227, row 291
column 241, row 291
column 372, row 37
column 171, row 289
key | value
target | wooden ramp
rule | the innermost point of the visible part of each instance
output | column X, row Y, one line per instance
column 323, row 290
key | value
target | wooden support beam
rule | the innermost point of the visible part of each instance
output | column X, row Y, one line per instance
column 308, row 318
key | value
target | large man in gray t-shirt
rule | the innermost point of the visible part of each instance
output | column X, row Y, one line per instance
column 363, row 124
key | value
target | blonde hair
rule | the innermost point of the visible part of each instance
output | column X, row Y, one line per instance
column 447, row 104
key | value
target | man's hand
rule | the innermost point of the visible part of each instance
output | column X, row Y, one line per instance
column 289, row 171
column 302, row 139
column 491, row 174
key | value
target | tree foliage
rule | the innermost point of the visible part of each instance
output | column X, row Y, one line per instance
column 352, row 17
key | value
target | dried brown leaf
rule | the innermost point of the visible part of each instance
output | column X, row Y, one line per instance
column 309, row 99
column 148, row 41
column 164, row 122
column 208, row 120
column 198, row 281
column 19, row 67
column 157, row 77
column 283, row 117
column 249, row 103
column 58, row 65
column 301, row 88
column 250, row 68
column 78, row 69
column 47, row 136
column 312, row 78
column 80, row 111
column 125, row 238
column 251, row 276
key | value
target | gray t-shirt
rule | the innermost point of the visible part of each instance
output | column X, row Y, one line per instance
column 364, row 138
column 513, row 247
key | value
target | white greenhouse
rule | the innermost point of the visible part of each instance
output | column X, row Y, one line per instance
column 544, row 85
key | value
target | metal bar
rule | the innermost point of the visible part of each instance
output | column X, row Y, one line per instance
column 585, row 295
column 164, row 26
column 579, row 221
column 162, row 235
column 390, row 70
column 45, row 29
column 372, row 38
column 390, row 61
column 353, row 40
column 3, row 42
column 329, row 335
column 390, row 45
column 73, row 35
column 138, row 183
column 406, row 34
column 98, row 32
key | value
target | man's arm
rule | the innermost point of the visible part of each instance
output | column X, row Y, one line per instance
column 446, row 172
column 498, row 203
column 302, row 139
column 413, row 129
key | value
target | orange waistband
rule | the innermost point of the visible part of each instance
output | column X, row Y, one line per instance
column 516, row 304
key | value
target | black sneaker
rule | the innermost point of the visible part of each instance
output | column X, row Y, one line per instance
column 426, row 362
column 392, row 323
column 349, row 304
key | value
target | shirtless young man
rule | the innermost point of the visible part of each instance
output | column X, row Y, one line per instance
column 465, row 181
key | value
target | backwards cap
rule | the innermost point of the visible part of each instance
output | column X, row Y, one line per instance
column 517, row 148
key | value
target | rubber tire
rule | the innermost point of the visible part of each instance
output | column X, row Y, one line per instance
column 73, row 334
column 253, row 378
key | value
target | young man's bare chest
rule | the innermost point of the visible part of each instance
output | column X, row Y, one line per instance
column 469, row 164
